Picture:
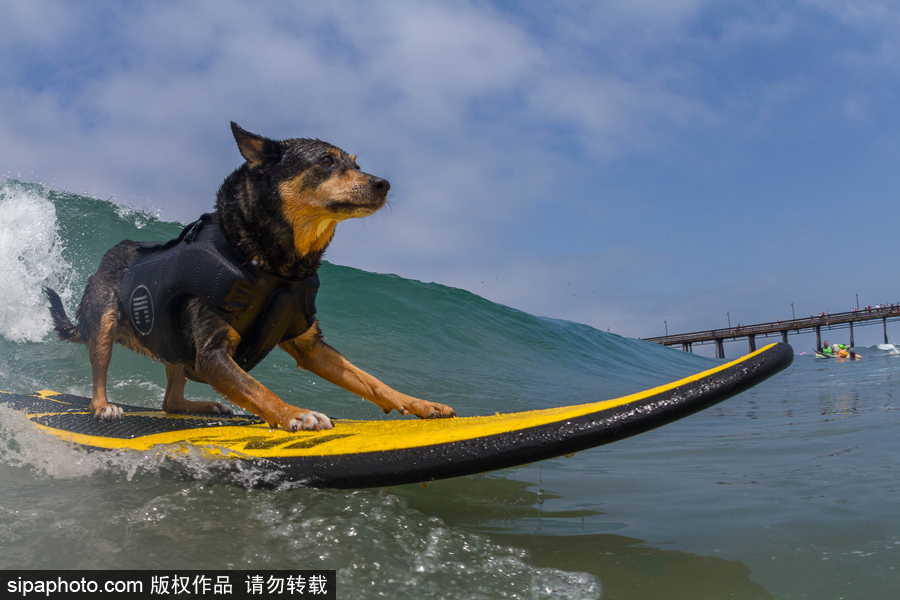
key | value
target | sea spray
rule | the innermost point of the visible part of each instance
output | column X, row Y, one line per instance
column 31, row 256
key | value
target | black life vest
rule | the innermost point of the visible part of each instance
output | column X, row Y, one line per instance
column 263, row 308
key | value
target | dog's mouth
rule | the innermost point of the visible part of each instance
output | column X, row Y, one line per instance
column 356, row 208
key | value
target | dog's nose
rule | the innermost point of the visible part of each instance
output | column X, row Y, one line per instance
column 380, row 185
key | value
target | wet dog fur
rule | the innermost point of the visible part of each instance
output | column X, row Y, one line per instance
column 280, row 208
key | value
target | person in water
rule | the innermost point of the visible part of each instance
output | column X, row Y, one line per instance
column 838, row 351
column 842, row 351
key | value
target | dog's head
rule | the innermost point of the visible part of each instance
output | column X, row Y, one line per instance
column 317, row 184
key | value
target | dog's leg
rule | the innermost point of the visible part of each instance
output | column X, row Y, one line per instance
column 100, row 347
column 313, row 354
column 218, row 368
column 175, row 402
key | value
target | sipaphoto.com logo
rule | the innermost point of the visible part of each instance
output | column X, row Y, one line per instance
column 27, row 586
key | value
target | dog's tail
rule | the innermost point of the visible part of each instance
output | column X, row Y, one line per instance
column 68, row 332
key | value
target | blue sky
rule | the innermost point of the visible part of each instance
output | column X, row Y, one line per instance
column 621, row 164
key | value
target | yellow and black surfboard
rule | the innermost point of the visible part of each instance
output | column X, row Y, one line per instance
column 358, row 454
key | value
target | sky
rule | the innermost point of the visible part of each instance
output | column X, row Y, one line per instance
column 639, row 166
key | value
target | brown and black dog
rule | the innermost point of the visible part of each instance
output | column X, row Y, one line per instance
column 279, row 210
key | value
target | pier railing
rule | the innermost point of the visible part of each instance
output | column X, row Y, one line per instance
column 815, row 323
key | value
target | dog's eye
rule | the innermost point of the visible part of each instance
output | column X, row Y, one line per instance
column 326, row 161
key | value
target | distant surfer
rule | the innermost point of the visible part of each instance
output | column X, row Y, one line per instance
column 847, row 353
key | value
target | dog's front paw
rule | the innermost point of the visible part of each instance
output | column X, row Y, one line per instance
column 425, row 409
column 309, row 421
column 438, row 411
column 109, row 412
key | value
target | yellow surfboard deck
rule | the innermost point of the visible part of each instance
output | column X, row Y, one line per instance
column 389, row 452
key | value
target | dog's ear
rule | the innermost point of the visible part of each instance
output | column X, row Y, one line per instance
column 256, row 149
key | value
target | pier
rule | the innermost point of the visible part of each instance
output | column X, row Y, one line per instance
column 844, row 320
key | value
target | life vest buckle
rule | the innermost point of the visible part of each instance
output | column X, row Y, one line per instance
column 193, row 231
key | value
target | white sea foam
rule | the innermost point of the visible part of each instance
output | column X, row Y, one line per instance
column 30, row 257
column 23, row 445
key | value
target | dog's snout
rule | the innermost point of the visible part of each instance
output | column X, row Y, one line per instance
column 380, row 185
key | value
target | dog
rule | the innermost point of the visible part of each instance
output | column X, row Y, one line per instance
column 275, row 216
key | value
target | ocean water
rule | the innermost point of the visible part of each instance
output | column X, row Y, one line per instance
column 789, row 490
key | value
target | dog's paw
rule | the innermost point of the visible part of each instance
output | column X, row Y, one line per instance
column 309, row 421
column 221, row 409
column 429, row 410
column 109, row 412
column 208, row 408
column 180, row 405
column 438, row 411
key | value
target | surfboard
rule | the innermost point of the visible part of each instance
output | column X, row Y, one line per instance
column 358, row 454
